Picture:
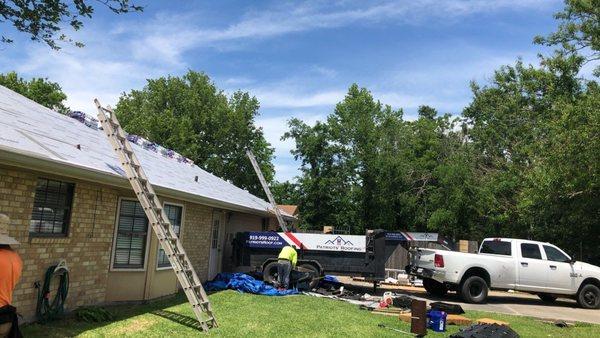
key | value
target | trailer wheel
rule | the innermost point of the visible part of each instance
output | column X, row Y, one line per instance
column 270, row 273
column 474, row 290
column 314, row 271
column 434, row 287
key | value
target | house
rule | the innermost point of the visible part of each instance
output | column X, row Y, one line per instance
column 68, row 199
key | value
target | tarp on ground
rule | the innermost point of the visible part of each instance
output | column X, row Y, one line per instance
column 244, row 283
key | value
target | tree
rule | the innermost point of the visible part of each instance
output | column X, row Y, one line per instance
column 44, row 20
column 286, row 192
column 42, row 91
column 579, row 30
column 191, row 116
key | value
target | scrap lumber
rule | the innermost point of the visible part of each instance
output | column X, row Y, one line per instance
column 458, row 320
column 491, row 321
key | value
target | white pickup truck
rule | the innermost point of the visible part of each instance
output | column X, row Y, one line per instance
column 507, row 264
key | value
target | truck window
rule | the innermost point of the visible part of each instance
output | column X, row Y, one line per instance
column 554, row 255
column 529, row 250
column 496, row 248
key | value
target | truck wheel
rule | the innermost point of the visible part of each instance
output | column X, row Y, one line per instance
column 270, row 273
column 434, row 287
column 589, row 297
column 548, row 298
column 314, row 274
column 474, row 289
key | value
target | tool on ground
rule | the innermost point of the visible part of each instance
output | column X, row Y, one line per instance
column 168, row 239
column 418, row 322
column 265, row 186
column 383, row 326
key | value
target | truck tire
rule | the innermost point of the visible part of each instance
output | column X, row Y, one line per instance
column 588, row 297
column 547, row 298
column 314, row 272
column 270, row 273
column 434, row 287
column 474, row 289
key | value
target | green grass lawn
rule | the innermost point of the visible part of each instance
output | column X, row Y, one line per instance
column 259, row 316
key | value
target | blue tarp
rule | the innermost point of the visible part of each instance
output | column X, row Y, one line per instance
column 244, row 283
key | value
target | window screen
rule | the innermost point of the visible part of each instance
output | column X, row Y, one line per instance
column 174, row 213
column 51, row 208
column 529, row 250
column 132, row 230
column 496, row 248
column 555, row 255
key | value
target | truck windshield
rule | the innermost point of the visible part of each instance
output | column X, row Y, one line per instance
column 496, row 248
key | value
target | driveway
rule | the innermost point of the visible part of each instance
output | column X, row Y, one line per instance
column 512, row 303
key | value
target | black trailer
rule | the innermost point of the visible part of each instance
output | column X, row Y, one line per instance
column 349, row 255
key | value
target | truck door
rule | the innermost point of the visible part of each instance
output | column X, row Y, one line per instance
column 533, row 270
column 560, row 272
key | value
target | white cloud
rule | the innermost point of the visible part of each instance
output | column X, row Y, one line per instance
column 274, row 128
column 168, row 37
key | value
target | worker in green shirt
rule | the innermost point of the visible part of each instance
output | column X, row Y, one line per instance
column 287, row 261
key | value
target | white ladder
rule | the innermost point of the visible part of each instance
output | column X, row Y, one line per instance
column 265, row 186
column 168, row 239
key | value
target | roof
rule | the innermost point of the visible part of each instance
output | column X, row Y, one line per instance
column 288, row 209
column 36, row 137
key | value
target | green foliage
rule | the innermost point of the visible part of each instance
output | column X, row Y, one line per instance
column 44, row 20
column 191, row 116
column 42, row 91
column 522, row 160
column 286, row 192
column 579, row 30
column 93, row 314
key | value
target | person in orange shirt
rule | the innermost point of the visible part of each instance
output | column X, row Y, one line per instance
column 10, row 271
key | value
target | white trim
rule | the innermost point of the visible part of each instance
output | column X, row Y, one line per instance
column 158, row 268
column 114, row 246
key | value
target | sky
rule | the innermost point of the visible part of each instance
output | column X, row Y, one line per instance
column 297, row 58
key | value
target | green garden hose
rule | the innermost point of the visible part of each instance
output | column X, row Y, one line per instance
column 50, row 309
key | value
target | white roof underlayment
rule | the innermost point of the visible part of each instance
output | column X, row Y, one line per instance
column 32, row 130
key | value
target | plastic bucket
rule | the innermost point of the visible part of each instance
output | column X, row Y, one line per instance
column 436, row 320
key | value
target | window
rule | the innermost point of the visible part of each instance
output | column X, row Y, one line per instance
column 553, row 254
column 51, row 213
column 496, row 248
column 529, row 250
column 174, row 213
column 132, row 231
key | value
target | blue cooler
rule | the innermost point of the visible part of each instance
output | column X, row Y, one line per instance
column 436, row 320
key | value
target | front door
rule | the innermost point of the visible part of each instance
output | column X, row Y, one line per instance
column 562, row 277
column 216, row 245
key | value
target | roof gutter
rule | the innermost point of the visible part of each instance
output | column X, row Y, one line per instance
column 34, row 161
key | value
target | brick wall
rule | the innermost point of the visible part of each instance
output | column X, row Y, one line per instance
column 196, row 236
column 86, row 249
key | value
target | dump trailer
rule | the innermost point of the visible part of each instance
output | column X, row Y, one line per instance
column 350, row 255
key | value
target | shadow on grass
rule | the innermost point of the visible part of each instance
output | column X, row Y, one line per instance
column 179, row 318
column 69, row 325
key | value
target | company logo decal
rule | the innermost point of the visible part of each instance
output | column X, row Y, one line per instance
column 338, row 241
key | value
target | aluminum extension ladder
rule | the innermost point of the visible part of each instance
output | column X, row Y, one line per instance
column 163, row 229
column 265, row 186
